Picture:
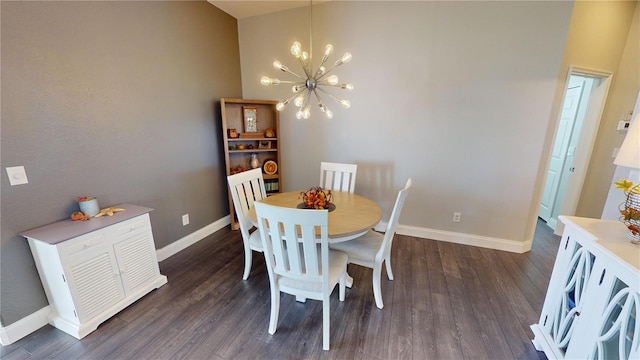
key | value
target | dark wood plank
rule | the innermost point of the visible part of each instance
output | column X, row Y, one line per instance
column 398, row 298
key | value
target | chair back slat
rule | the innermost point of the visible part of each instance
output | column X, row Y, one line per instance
column 338, row 177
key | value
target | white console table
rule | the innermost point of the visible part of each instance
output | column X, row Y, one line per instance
column 91, row 270
column 593, row 300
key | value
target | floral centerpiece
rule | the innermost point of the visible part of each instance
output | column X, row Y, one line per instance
column 630, row 210
column 316, row 198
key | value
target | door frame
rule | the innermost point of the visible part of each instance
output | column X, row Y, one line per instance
column 585, row 144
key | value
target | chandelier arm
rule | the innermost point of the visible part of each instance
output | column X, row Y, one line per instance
column 310, row 30
column 318, row 73
column 325, row 83
column 286, row 102
column 337, row 99
column 323, row 61
column 323, row 107
column 298, row 87
column 306, row 68
column 320, row 103
column 307, row 98
column 288, row 82
column 291, row 72
column 327, row 72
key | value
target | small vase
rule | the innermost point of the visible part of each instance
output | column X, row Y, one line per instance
column 89, row 207
column 255, row 163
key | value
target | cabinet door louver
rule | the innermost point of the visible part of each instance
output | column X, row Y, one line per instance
column 137, row 262
column 97, row 284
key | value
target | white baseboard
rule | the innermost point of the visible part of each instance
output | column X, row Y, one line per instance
column 179, row 245
column 24, row 326
column 465, row 239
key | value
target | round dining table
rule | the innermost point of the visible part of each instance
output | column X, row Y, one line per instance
column 353, row 215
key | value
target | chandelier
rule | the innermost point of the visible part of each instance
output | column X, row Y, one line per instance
column 313, row 84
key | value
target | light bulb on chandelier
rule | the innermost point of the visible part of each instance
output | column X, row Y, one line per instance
column 312, row 82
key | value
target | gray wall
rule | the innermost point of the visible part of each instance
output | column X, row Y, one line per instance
column 117, row 100
column 454, row 94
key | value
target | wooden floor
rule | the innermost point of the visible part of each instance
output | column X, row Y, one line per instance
column 447, row 301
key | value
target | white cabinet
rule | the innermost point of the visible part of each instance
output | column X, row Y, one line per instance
column 593, row 300
column 90, row 270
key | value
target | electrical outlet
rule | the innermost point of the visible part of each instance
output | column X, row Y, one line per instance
column 456, row 216
column 185, row 219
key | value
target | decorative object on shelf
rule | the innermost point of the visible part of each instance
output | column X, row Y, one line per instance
column 255, row 163
column 240, row 147
column 232, row 133
column 270, row 133
column 238, row 169
column 89, row 205
column 79, row 216
column 265, row 144
column 630, row 209
column 313, row 81
column 316, row 198
column 629, row 156
column 270, row 167
column 109, row 211
column 251, row 135
column 250, row 119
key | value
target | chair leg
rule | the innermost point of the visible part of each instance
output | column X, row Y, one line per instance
column 248, row 259
column 349, row 282
column 275, row 309
column 387, row 263
column 325, row 322
column 342, row 285
column 377, row 269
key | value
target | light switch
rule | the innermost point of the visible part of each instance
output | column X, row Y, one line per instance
column 17, row 175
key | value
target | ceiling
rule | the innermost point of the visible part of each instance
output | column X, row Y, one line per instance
column 246, row 8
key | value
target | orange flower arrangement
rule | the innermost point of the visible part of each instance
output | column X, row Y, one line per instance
column 631, row 211
column 316, row 198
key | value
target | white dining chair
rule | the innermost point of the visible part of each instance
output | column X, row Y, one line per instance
column 338, row 177
column 246, row 188
column 296, row 263
column 373, row 248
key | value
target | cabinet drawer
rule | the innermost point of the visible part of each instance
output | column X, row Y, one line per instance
column 84, row 242
column 130, row 227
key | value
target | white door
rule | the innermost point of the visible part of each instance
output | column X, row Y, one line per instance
column 560, row 149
